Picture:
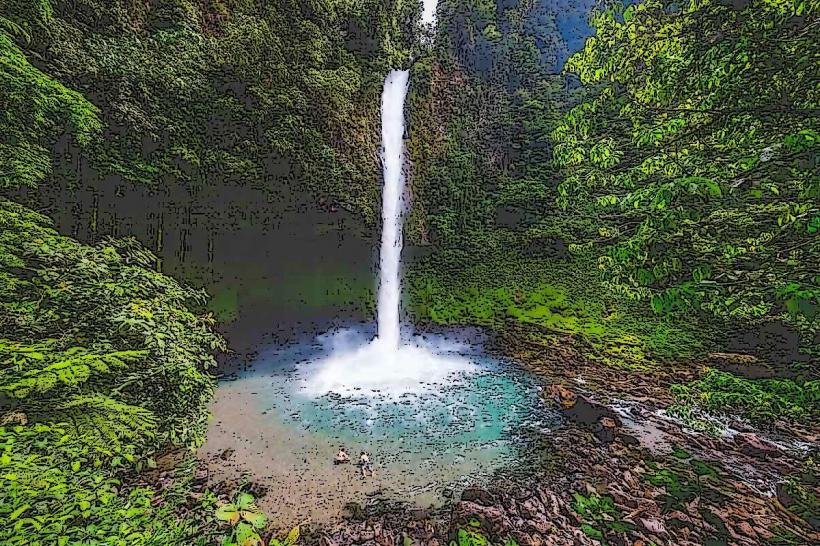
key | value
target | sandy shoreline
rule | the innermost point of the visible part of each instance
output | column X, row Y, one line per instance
column 297, row 466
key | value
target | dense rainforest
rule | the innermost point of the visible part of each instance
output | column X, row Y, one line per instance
column 634, row 186
column 666, row 177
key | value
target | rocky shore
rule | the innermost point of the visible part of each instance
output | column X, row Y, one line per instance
column 618, row 471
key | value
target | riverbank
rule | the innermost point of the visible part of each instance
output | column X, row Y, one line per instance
column 618, row 469
column 636, row 473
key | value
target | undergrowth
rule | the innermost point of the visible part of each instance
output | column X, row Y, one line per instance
column 600, row 515
column 563, row 297
column 472, row 536
column 103, row 364
column 761, row 401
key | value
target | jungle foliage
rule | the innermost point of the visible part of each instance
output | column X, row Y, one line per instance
column 484, row 104
column 281, row 98
column 484, row 100
column 553, row 300
column 764, row 402
column 695, row 155
column 679, row 148
column 103, row 361
column 677, row 152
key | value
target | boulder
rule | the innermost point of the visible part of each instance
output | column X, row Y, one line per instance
column 751, row 444
column 628, row 439
column 478, row 496
column 353, row 511
column 491, row 518
column 605, row 429
column 565, row 397
column 531, row 507
column 589, row 413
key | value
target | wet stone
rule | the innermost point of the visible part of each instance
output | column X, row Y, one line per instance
column 478, row 495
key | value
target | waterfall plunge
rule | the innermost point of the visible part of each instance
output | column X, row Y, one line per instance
column 385, row 367
column 395, row 91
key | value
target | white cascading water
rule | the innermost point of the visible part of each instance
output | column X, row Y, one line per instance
column 385, row 367
column 389, row 297
column 428, row 13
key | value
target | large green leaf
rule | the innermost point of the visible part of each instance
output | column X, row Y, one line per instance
column 257, row 519
column 246, row 535
column 228, row 512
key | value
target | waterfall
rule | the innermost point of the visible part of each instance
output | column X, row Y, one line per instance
column 385, row 367
column 389, row 297
column 428, row 13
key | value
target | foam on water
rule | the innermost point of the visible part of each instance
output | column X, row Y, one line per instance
column 377, row 370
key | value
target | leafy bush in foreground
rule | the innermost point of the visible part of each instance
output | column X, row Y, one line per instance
column 54, row 489
column 472, row 536
column 245, row 519
column 102, row 362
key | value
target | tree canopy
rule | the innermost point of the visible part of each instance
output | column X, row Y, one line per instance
column 695, row 153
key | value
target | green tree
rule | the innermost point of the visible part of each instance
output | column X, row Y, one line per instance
column 484, row 101
column 36, row 109
column 695, row 152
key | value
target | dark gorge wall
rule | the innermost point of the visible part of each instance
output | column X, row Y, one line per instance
column 273, row 111
column 484, row 98
column 259, row 111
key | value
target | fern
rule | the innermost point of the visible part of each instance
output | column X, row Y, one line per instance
column 47, row 385
column 37, row 369
column 104, row 422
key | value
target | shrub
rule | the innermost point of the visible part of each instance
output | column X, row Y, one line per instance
column 762, row 401
column 102, row 361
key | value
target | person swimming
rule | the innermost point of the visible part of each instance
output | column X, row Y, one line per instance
column 365, row 464
column 341, row 456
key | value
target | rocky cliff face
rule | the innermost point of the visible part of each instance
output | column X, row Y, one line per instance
column 484, row 98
